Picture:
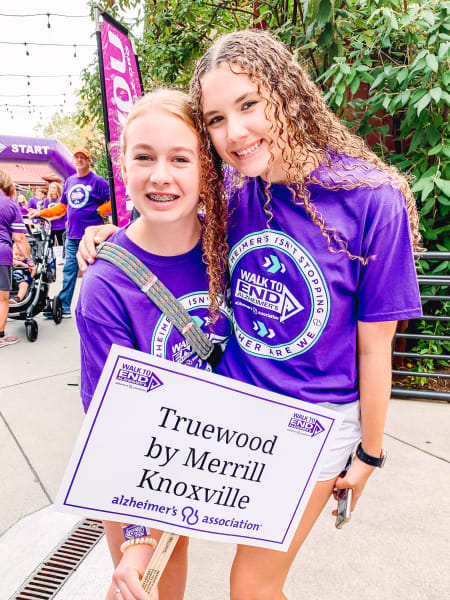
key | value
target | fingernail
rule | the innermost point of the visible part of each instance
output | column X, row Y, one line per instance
column 97, row 239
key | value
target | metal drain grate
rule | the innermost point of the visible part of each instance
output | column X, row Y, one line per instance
column 48, row 578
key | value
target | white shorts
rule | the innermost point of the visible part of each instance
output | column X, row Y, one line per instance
column 347, row 437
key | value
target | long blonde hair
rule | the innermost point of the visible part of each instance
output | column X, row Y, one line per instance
column 299, row 114
column 59, row 190
column 212, row 201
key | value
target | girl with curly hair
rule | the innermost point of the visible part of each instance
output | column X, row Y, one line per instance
column 321, row 235
column 180, row 236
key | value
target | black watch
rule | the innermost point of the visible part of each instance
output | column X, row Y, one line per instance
column 373, row 461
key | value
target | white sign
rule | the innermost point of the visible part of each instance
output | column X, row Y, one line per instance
column 195, row 453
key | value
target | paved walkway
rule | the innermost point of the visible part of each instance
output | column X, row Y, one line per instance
column 397, row 546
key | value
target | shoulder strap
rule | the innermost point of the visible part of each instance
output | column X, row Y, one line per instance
column 154, row 289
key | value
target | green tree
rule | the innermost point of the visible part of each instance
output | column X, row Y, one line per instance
column 68, row 130
column 175, row 34
column 382, row 64
column 395, row 78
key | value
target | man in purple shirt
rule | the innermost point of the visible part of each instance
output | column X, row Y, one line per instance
column 12, row 228
column 85, row 198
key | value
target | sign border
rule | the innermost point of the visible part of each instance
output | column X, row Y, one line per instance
column 148, row 363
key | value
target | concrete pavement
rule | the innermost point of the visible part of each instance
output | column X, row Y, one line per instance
column 396, row 547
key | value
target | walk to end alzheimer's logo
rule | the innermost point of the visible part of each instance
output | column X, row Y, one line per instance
column 137, row 377
column 78, row 195
column 282, row 301
column 305, row 424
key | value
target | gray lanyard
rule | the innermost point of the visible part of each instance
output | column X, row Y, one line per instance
column 152, row 287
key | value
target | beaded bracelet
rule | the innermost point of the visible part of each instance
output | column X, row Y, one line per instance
column 140, row 540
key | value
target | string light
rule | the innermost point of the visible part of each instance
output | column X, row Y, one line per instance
column 29, row 104
column 24, row 75
column 46, row 44
column 48, row 15
column 30, row 95
column 30, row 108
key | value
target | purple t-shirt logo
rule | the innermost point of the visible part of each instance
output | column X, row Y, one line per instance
column 138, row 377
column 165, row 345
column 282, row 300
column 78, row 195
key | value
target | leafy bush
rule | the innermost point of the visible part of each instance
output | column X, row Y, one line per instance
column 383, row 65
column 402, row 57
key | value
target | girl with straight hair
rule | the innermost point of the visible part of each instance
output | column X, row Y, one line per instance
column 180, row 236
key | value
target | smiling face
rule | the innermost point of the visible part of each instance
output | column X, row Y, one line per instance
column 82, row 164
column 53, row 191
column 161, row 167
column 234, row 114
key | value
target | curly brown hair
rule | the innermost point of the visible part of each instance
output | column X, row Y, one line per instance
column 212, row 201
column 299, row 114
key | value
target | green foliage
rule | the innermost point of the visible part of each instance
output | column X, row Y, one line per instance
column 425, row 346
column 175, row 35
column 383, row 66
column 68, row 130
column 394, row 78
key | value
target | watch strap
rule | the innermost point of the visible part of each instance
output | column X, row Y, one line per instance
column 373, row 461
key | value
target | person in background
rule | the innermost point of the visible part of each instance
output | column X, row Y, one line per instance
column 12, row 228
column 21, row 276
column 85, row 198
column 58, row 223
column 37, row 201
column 22, row 202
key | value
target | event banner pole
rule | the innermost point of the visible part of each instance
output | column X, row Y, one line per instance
column 121, row 85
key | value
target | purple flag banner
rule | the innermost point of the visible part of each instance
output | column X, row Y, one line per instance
column 121, row 86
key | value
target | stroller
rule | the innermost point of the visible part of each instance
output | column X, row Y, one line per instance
column 36, row 299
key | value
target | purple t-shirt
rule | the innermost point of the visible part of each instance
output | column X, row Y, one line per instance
column 112, row 309
column 83, row 196
column 35, row 203
column 296, row 304
column 10, row 222
column 57, row 224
